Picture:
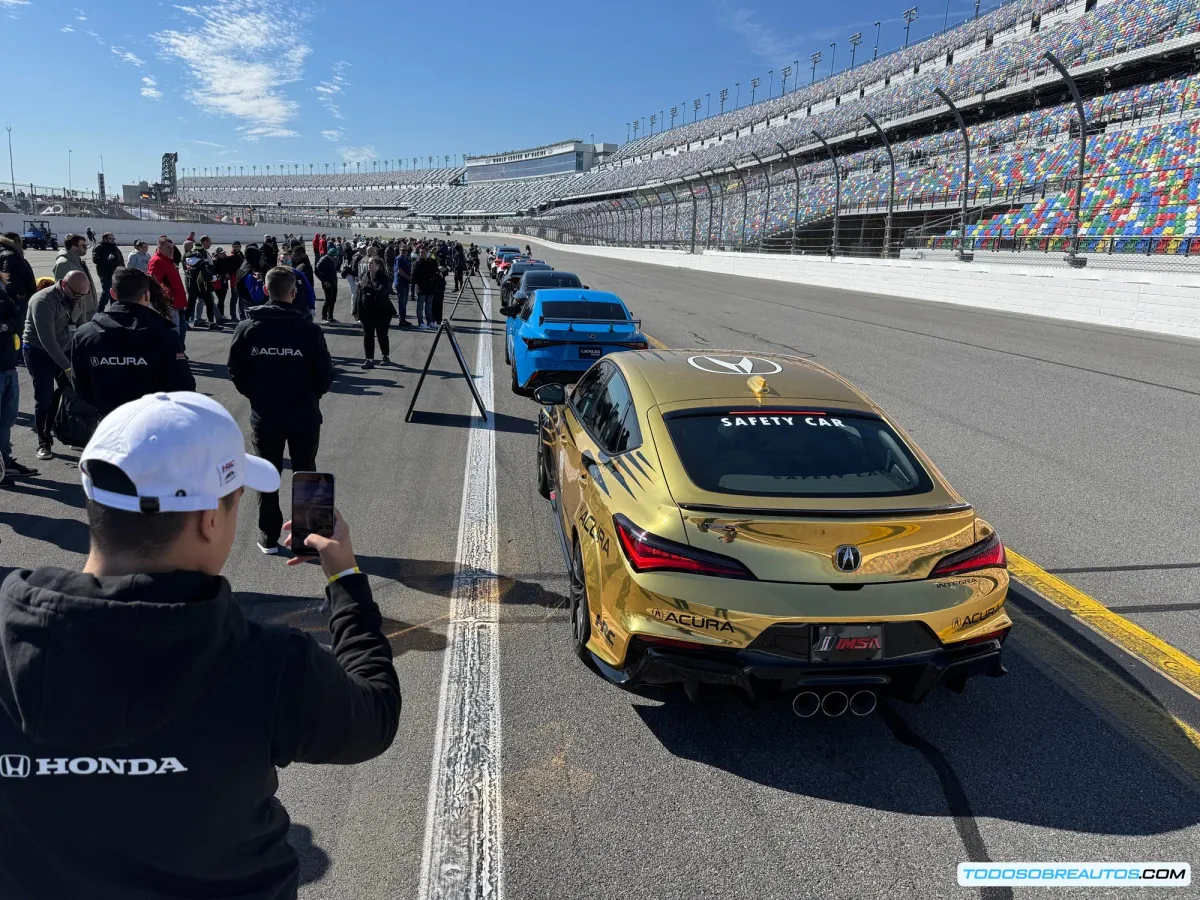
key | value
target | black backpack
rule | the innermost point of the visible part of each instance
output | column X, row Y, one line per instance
column 75, row 420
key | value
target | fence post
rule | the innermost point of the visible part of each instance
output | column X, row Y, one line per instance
column 887, row 227
column 966, row 178
column 763, row 228
column 837, row 192
column 796, row 215
column 712, row 199
column 695, row 204
column 1073, row 258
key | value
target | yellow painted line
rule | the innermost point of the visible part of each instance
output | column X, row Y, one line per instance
column 1133, row 639
column 1169, row 661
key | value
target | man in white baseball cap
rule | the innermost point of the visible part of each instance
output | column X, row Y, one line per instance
column 143, row 665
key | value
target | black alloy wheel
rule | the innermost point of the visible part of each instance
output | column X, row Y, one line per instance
column 581, row 623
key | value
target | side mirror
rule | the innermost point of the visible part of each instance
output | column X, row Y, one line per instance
column 551, row 395
column 587, row 287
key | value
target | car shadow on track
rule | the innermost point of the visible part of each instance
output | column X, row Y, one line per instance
column 500, row 421
column 1019, row 749
column 306, row 615
column 435, row 576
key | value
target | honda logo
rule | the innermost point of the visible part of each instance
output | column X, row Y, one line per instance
column 847, row 558
column 14, row 766
column 734, row 365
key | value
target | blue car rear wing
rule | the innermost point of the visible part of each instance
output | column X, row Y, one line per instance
column 590, row 323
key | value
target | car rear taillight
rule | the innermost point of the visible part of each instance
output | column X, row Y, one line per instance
column 650, row 553
column 632, row 345
column 987, row 554
column 538, row 343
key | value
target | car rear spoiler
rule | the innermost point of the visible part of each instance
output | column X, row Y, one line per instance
column 590, row 323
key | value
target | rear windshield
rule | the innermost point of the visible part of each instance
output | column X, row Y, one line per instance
column 583, row 309
column 795, row 453
column 540, row 279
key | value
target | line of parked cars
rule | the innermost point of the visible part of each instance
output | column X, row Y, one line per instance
column 556, row 326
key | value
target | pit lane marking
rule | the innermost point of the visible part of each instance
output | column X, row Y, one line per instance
column 463, row 852
column 1170, row 662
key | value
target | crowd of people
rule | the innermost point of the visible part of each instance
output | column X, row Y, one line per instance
column 110, row 343
column 143, row 662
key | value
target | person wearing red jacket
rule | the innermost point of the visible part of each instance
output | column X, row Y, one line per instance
column 162, row 269
column 316, row 245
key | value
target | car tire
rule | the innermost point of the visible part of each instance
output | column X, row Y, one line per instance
column 516, row 385
column 581, row 614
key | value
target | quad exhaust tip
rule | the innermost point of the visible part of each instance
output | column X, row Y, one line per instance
column 863, row 703
column 834, row 703
column 806, row 704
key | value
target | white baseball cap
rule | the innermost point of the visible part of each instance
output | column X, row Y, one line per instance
column 183, row 452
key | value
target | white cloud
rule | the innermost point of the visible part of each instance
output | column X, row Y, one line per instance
column 10, row 3
column 327, row 91
column 238, row 56
column 150, row 89
column 208, row 143
column 357, row 154
column 126, row 56
column 80, row 15
column 257, row 132
column 333, row 134
column 66, row 29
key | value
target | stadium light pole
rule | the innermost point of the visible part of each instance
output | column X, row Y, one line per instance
column 855, row 40
column 875, row 52
column 12, row 177
column 784, row 72
column 796, row 69
column 771, row 84
column 837, row 192
column 754, row 83
column 708, row 113
column 1073, row 258
column 674, row 113
column 695, row 109
column 910, row 16
column 946, row 21
column 814, row 59
column 737, row 97
column 887, row 145
column 723, row 96
column 966, row 179
column 832, row 57
column 653, row 122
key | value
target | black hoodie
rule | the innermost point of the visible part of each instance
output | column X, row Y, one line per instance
column 141, row 722
column 278, row 360
column 125, row 352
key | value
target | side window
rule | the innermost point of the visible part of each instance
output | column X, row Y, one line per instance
column 527, row 308
column 615, row 420
column 588, row 392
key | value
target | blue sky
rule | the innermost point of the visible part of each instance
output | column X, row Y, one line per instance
column 257, row 82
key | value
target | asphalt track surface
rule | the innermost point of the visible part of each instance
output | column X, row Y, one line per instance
column 1074, row 441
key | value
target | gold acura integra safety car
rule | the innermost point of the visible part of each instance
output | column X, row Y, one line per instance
column 757, row 522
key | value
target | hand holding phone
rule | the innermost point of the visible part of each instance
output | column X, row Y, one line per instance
column 312, row 509
column 336, row 552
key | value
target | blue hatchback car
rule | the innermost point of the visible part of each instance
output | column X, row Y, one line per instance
column 559, row 332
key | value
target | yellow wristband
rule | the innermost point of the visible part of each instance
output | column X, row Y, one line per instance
column 344, row 573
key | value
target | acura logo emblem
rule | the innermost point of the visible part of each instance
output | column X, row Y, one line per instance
column 847, row 558
column 734, row 365
column 14, row 766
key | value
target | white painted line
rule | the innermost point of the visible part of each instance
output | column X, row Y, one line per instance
column 463, row 857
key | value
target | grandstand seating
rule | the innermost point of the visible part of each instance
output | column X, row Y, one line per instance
column 1019, row 162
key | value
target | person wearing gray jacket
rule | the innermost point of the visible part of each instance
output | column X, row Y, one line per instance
column 47, row 343
column 70, row 259
column 140, row 258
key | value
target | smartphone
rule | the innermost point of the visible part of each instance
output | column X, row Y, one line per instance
column 312, row 509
